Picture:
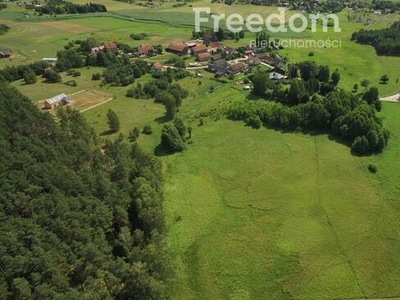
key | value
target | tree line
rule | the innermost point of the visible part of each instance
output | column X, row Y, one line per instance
column 59, row 7
column 77, row 221
column 305, row 105
column 385, row 41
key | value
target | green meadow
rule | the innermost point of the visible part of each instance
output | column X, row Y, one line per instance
column 256, row 214
column 251, row 214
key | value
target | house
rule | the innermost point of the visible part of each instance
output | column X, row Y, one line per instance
column 216, row 57
column 5, row 53
column 97, row 49
column 157, row 66
column 230, row 51
column 191, row 44
column 112, row 47
column 215, row 47
column 144, row 49
column 253, row 60
column 204, row 56
column 199, row 49
column 377, row 12
column 218, row 66
column 58, row 100
column 272, row 61
column 237, row 68
column 276, row 76
column 178, row 48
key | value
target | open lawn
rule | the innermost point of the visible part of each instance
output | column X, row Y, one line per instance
column 42, row 90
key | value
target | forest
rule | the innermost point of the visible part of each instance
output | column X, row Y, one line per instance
column 385, row 41
column 77, row 220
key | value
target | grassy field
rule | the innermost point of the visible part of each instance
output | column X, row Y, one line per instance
column 293, row 216
column 261, row 214
column 252, row 214
column 354, row 61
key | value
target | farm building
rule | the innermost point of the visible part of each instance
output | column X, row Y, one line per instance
column 97, row 49
column 178, row 48
column 218, row 66
column 230, row 51
column 144, row 49
column 112, row 47
column 237, row 68
column 5, row 53
column 199, row 49
column 253, row 60
column 205, row 56
column 157, row 67
column 58, row 100
column 215, row 47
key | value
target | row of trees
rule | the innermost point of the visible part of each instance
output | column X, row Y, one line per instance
column 385, row 41
column 77, row 222
column 13, row 73
column 307, row 79
column 58, row 7
column 344, row 114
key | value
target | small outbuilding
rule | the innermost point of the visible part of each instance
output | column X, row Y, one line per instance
column 157, row 66
column 55, row 101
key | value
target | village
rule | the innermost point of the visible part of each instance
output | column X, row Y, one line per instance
column 201, row 54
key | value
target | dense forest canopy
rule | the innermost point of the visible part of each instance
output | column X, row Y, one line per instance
column 76, row 221
column 385, row 41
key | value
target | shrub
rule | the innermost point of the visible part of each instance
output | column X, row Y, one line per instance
column 254, row 122
column 372, row 168
column 96, row 76
column 147, row 130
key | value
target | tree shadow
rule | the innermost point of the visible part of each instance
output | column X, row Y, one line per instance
column 107, row 132
column 251, row 96
column 160, row 151
column 161, row 120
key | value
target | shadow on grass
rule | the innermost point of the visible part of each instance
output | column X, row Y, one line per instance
column 160, row 151
column 162, row 120
column 107, row 132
